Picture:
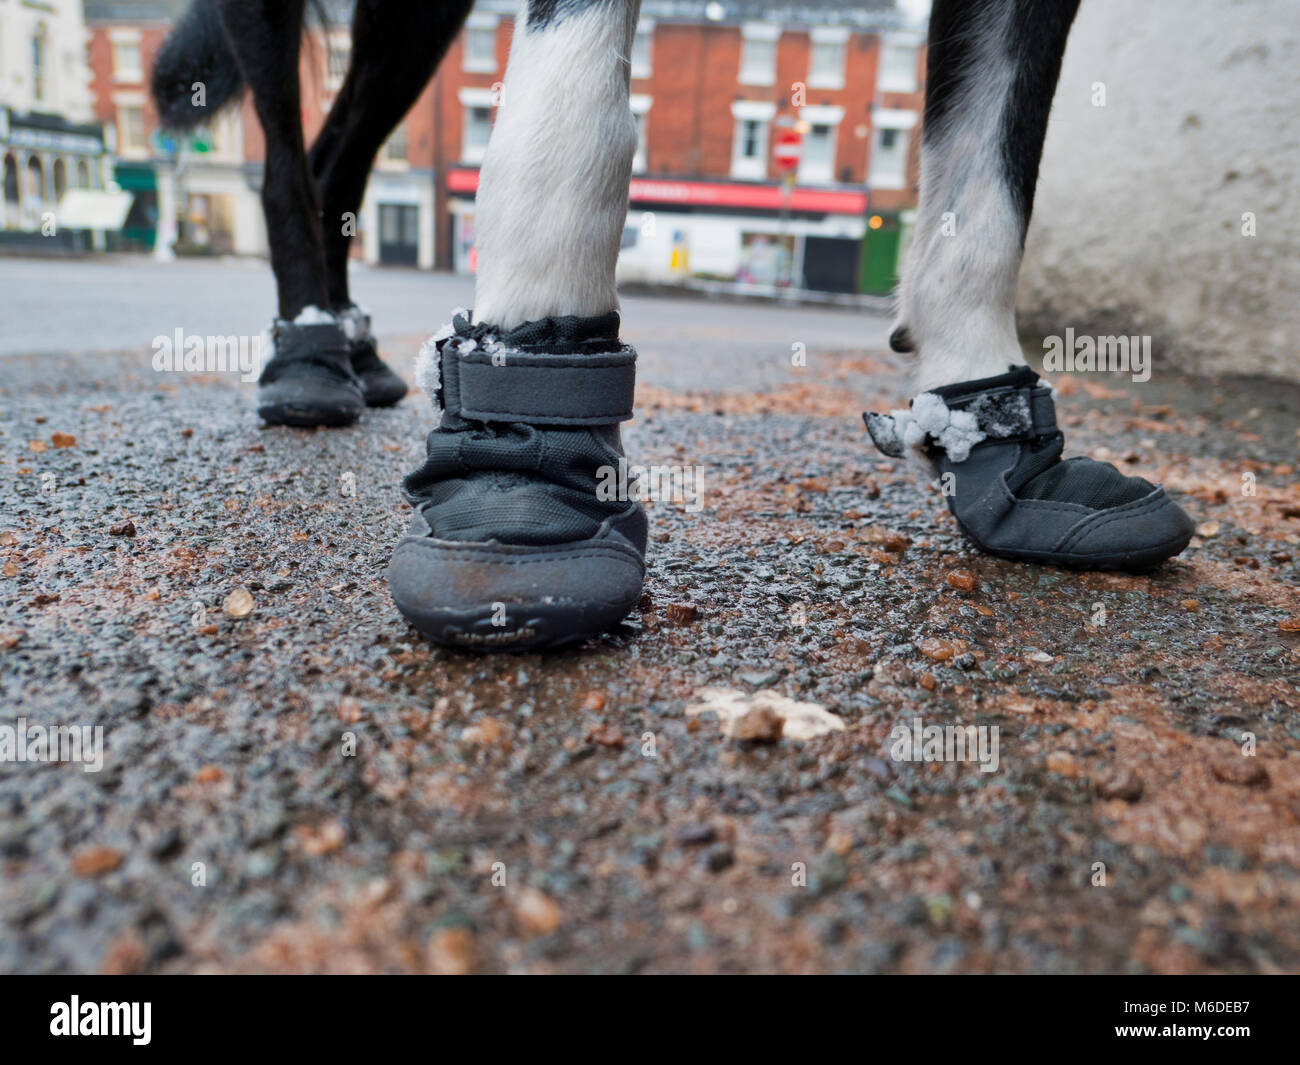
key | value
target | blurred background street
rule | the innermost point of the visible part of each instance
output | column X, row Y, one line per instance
column 122, row 303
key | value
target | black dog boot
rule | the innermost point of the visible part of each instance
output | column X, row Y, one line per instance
column 997, row 451
column 380, row 385
column 309, row 380
column 514, row 545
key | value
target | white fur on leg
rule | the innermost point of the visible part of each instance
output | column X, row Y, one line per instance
column 552, row 196
column 959, row 285
column 428, row 364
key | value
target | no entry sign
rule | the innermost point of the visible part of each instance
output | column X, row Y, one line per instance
column 789, row 142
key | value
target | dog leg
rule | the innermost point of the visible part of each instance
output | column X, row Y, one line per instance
column 522, row 537
column 395, row 50
column 983, row 418
column 992, row 70
column 552, row 196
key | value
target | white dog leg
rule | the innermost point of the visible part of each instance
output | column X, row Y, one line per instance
column 552, row 197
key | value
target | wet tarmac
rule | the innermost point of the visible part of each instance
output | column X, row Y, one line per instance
column 295, row 780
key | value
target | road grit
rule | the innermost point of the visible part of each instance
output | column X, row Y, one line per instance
column 294, row 780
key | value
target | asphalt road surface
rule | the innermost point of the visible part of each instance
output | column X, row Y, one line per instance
column 292, row 779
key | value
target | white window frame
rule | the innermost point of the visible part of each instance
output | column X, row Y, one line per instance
column 226, row 134
column 751, row 168
column 133, row 100
column 38, row 48
column 395, row 162
column 756, row 32
column 888, row 80
column 645, row 31
column 828, row 35
column 902, row 122
column 126, row 38
column 479, row 23
column 640, row 106
column 473, row 98
column 821, row 116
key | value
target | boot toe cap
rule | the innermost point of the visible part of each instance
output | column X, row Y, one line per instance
column 488, row 596
column 1136, row 535
column 309, row 401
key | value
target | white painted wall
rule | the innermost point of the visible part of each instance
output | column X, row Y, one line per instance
column 67, row 76
column 248, row 223
column 1138, row 220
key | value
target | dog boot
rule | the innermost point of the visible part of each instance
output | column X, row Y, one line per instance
column 515, row 543
column 996, row 449
column 379, row 384
column 309, row 380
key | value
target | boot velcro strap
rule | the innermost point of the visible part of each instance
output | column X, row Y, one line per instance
column 1014, row 412
column 1010, row 413
column 508, row 385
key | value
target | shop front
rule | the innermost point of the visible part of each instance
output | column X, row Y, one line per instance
column 43, row 156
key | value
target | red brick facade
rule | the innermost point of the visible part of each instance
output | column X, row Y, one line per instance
column 688, row 100
column 693, row 81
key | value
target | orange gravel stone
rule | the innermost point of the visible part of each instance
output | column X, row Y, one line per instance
column 961, row 579
column 1247, row 772
column 96, row 861
column 537, row 914
column 453, row 952
column 681, row 613
column 939, row 650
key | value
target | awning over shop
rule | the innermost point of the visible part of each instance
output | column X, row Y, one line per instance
column 136, row 177
column 703, row 195
column 93, row 209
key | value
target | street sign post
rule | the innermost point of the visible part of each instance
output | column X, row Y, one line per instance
column 788, row 147
column 785, row 153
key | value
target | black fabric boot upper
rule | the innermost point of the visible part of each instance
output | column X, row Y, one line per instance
column 320, row 350
column 1041, row 473
column 521, row 482
column 379, row 384
column 309, row 379
column 517, row 543
column 995, row 444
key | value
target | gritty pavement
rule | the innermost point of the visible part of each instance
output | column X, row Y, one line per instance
column 294, row 780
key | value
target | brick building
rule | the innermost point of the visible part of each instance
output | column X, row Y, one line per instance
column 712, row 84
column 213, row 178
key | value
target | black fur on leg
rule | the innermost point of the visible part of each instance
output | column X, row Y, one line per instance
column 544, row 13
column 395, row 50
column 1039, row 29
column 268, row 33
column 196, row 52
column 1030, row 36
